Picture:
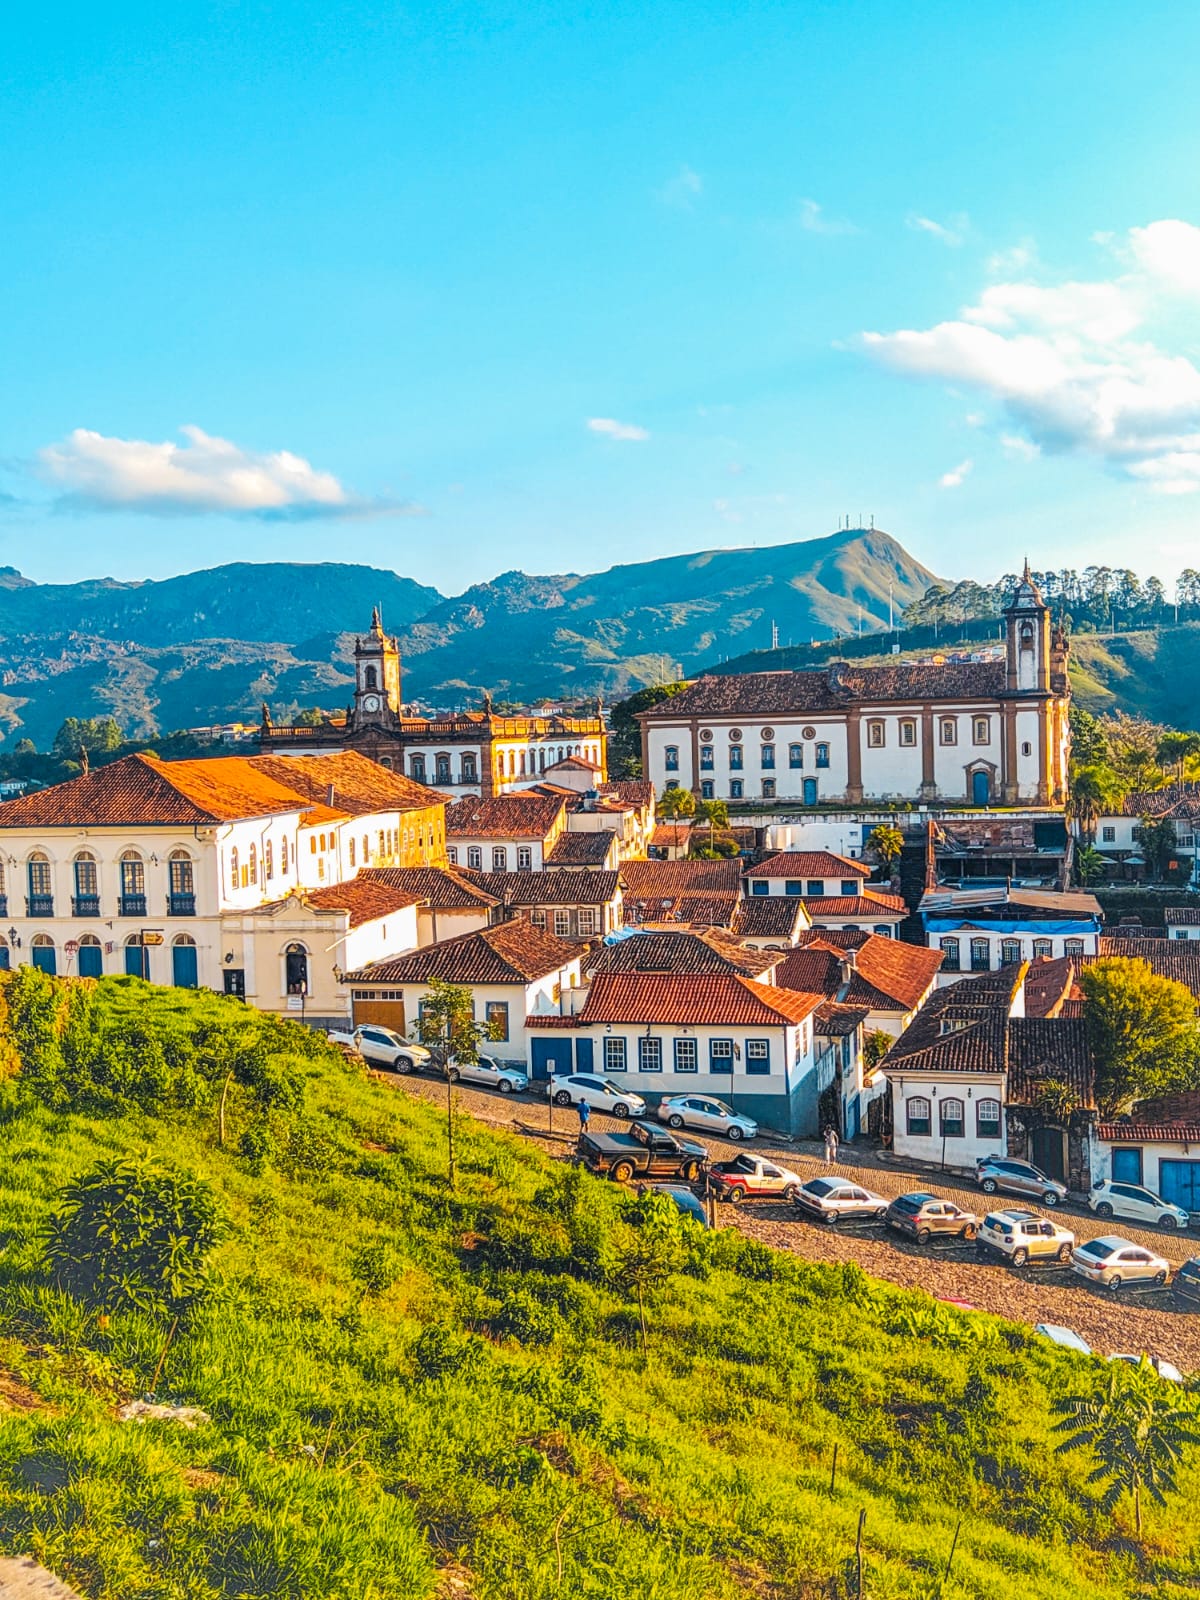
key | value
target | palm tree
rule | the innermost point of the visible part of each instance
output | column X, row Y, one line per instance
column 1094, row 792
column 1174, row 749
column 1136, row 1429
column 887, row 842
column 1089, row 865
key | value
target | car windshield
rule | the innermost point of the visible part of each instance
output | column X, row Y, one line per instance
column 821, row 1186
column 1097, row 1248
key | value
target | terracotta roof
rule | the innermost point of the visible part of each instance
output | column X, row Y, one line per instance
column 834, row 1021
column 576, row 849
column 1048, row 984
column 761, row 694
column 365, row 899
column 443, row 888
column 1169, row 958
column 141, row 790
column 887, row 975
column 511, row 952
column 688, row 910
column 358, row 784
column 671, row 833
column 678, row 952
column 693, row 1001
column 769, row 916
column 1149, row 1132
column 871, row 904
column 637, row 792
column 665, row 878
column 1048, row 1047
column 523, row 815
column 1182, row 916
column 1180, row 800
column 574, row 764
column 960, row 1028
column 808, row 864
column 549, row 888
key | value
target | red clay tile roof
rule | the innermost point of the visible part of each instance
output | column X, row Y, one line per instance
column 808, row 864
column 872, row 905
column 887, row 975
column 688, row 910
column 523, row 815
column 678, row 952
column 1041, row 1048
column 637, row 792
column 511, row 952
column 776, row 694
column 548, row 888
column 673, row 834
column 1048, row 984
column 769, row 916
column 960, row 1028
column 661, row 879
column 693, row 1001
column 573, row 764
column 141, row 790
column 359, row 785
column 443, row 888
column 577, row 849
column 834, row 1021
column 1149, row 1132
column 1182, row 916
column 365, row 899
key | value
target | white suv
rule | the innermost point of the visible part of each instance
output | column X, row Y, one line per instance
column 1022, row 1236
column 1135, row 1204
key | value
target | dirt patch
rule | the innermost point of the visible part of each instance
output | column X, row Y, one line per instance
column 19, row 1396
column 200, row 1477
column 455, row 1582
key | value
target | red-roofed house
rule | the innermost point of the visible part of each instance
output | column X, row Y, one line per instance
column 506, row 833
column 833, row 890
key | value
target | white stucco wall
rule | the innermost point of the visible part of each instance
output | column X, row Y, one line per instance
column 957, row 1152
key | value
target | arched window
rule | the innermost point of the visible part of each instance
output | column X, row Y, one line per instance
column 443, row 768
column 523, row 774
column 91, row 956
column 42, row 953
column 133, row 885
column 416, row 765
column 351, row 850
column 469, row 772
column 41, row 885
column 795, row 755
column 87, row 885
column 671, row 758
column 370, row 678
column 917, row 1109
column 512, row 763
column 181, row 885
column 981, row 955
column 1010, row 951
column 951, row 1113
column 950, row 956
column 475, row 857
column 253, row 863
column 234, row 881
column 295, row 961
column 283, row 857
column 386, row 761
column 987, row 1119
column 1043, row 949
column 184, row 966
column 1073, row 947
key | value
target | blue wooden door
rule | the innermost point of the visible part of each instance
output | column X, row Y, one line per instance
column 1179, row 1182
column 583, row 1055
column 549, row 1056
column 981, row 789
column 183, row 966
column 810, row 791
column 1127, row 1166
column 43, row 957
column 136, row 963
column 91, row 961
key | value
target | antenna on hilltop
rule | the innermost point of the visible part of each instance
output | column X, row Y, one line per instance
column 774, row 636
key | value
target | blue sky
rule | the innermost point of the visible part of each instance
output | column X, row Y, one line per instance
column 465, row 288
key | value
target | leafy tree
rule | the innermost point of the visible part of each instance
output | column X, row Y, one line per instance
column 1137, row 1429
column 25, row 747
column 1094, row 792
column 714, row 813
column 1175, row 748
column 1142, row 1032
column 1089, row 743
column 651, row 1250
column 446, row 1026
column 96, row 735
column 875, row 1046
column 1159, row 842
column 1090, row 865
column 625, row 732
column 887, row 842
column 674, row 804
column 128, row 1235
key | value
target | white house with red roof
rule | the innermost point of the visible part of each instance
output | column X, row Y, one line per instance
column 832, row 888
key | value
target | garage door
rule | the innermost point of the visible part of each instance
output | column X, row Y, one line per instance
column 550, row 1057
column 388, row 1013
column 1179, row 1181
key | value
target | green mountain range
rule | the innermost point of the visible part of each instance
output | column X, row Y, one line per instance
column 210, row 646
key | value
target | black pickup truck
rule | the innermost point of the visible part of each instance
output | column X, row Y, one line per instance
column 645, row 1152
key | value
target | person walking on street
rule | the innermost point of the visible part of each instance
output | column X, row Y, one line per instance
column 585, row 1112
column 831, row 1144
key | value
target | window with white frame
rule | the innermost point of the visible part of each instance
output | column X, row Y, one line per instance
column 687, row 1055
column 908, row 732
column 1010, row 951
column 671, row 758
column 562, row 921
column 875, row 733
column 538, row 916
column 735, row 788
column 452, row 854
column 795, row 755
column 822, row 755
column 720, row 1056
column 987, row 1119
column 614, row 1054
column 982, row 727
column 917, row 1110
column 589, row 921
column 1073, row 947
column 524, row 858
column 951, row 1114
column 499, row 858
column 949, row 730
column 758, row 1056
column 706, row 758
column 650, row 1054
column 1108, row 835
column 1043, row 948
column 950, row 955
column 475, row 857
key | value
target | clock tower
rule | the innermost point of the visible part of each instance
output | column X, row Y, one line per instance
column 376, row 678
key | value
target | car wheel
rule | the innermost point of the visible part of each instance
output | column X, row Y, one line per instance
column 403, row 1064
column 832, row 1216
column 791, row 1193
column 1020, row 1258
column 880, row 1215
column 968, row 1231
column 453, row 1074
column 922, row 1235
column 620, row 1110
column 1104, row 1209
column 734, row 1197
column 988, row 1186
column 1159, row 1279
column 734, row 1133
column 1167, row 1222
column 1114, row 1283
column 675, row 1120
column 1064, row 1252
column 1050, row 1199
column 691, row 1171
column 562, row 1098
column 504, row 1086
column 622, row 1172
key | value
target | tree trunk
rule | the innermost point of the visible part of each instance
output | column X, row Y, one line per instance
column 642, row 1318
column 221, row 1112
column 1137, row 1508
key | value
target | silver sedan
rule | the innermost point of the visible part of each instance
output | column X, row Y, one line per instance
column 834, row 1198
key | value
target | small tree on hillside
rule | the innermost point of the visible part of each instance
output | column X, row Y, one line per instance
column 1159, row 842
column 1142, row 1031
column 1137, row 1430
column 650, row 1250
column 886, row 842
column 446, row 1026
column 675, row 804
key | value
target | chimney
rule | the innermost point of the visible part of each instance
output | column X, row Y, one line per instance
column 847, row 966
column 329, row 797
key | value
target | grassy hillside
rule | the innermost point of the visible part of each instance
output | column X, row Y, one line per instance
column 419, row 1392
column 1152, row 673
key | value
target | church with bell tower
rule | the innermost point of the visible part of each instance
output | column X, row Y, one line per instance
column 376, row 679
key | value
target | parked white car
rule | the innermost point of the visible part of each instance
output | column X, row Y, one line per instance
column 834, row 1198
column 1022, row 1236
column 1165, row 1369
column 489, row 1073
column 601, row 1094
column 1113, row 1262
column 383, row 1047
column 1134, row 1203
column 1067, row 1338
column 708, row 1115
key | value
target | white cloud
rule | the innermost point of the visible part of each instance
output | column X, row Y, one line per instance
column 956, row 475
column 1015, row 445
column 1074, row 363
column 975, row 419
column 1017, row 258
column 682, row 191
column 205, row 474
column 814, row 220
column 627, row 432
column 950, row 233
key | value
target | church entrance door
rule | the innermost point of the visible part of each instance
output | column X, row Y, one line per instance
column 981, row 789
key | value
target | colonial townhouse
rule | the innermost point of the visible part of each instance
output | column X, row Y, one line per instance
column 1117, row 835
column 702, row 894
column 748, row 1043
column 682, row 953
column 1182, row 922
column 1157, row 1144
column 833, row 890
column 595, row 850
column 977, row 733
column 981, row 930
column 508, row 833
column 770, row 921
column 449, row 901
column 845, row 1091
column 150, row 867
column 891, row 980
column 575, row 905
column 516, row 973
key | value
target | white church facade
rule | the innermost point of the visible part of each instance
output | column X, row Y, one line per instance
column 978, row 733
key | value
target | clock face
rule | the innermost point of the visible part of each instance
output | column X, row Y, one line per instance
column 371, row 702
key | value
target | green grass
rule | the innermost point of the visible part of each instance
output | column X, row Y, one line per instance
column 409, row 1386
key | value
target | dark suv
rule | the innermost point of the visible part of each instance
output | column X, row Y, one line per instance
column 922, row 1215
column 1187, row 1284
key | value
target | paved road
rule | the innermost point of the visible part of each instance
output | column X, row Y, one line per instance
column 1141, row 1320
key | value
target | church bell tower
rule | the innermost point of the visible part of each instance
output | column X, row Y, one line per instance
column 376, row 678
column 1027, row 627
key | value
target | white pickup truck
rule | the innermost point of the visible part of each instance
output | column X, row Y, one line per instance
column 382, row 1047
